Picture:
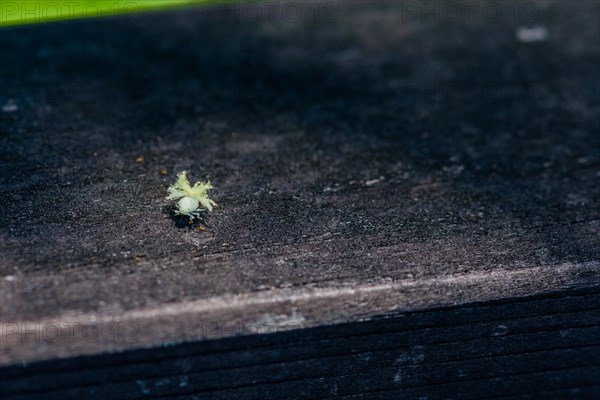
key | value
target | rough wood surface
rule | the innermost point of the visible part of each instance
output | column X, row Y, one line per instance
column 546, row 346
column 366, row 163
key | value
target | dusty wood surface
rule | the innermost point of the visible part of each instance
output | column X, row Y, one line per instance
column 547, row 347
column 366, row 162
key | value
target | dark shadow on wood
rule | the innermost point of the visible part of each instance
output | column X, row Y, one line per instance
column 529, row 346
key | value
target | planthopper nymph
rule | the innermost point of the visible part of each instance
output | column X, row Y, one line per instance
column 190, row 200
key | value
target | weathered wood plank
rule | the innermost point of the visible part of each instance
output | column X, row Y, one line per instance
column 311, row 362
column 372, row 165
column 279, row 347
column 583, row 380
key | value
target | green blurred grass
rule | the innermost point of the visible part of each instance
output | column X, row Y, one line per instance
column 20, row 12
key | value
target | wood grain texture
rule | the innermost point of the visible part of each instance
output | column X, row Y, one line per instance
column 366, row 165
column 521, row 347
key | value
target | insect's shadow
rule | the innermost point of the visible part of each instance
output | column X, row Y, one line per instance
column 181, row 221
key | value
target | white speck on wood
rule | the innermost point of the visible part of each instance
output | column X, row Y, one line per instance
column 529, row 34
column 398, row 376
column 374, row 181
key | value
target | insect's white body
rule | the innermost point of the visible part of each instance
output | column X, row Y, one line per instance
column 189, row 199
column 188, row 206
